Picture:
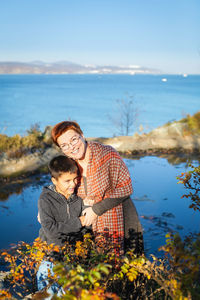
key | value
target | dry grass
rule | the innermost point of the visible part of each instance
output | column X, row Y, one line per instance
column 17, row 146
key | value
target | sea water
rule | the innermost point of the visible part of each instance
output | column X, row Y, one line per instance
column 91, row 100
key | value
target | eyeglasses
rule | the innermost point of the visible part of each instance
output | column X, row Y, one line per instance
column 73, row 142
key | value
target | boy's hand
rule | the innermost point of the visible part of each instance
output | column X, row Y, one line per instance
column 82, row 219
column 90, row 216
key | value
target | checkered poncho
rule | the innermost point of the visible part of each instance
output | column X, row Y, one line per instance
column 107, row 177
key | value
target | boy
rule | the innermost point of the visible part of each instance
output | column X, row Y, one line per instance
column 59, row 207
column 59, row 214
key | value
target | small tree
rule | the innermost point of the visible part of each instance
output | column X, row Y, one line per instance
column 124, row 115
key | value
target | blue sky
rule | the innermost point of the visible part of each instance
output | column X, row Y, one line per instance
column 161, row 34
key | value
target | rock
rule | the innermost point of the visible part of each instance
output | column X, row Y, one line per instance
column 27, row 163
column 47, row 135
column 172, row 130
column 170, row 137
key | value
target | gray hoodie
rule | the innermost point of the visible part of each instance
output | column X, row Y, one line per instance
column 59, row 216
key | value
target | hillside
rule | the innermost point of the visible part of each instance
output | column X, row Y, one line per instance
column 65, row 67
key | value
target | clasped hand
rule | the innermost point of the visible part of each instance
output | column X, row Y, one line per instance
column 90, row 216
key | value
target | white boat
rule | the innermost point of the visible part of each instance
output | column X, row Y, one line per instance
column 185, row 75
column 164, row 79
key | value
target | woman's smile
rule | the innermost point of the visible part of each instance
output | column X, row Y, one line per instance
column 72, row 144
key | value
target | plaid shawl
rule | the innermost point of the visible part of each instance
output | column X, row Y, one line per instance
column 107, row 177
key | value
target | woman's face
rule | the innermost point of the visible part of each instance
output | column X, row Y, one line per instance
column 72, row 144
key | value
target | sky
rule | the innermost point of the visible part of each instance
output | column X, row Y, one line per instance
column 159, row 34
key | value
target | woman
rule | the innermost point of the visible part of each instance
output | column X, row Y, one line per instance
column 106, row 184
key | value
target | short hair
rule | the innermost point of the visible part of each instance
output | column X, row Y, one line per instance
column 62, row 164
column 62, row 127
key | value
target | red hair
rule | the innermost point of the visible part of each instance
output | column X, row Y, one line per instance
column 62, row 127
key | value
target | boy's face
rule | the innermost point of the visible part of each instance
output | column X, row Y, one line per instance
column 66, row 183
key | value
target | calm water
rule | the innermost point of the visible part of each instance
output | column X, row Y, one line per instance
column 157, row 197
column 89, row 99
column 48, row 99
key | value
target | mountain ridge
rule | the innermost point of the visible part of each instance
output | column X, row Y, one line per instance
column 66, row 67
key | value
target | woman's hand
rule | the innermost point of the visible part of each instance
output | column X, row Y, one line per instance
column 88, row 201
column 90, row 216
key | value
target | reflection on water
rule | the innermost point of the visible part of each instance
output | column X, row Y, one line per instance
column 183, row 159
column 157, row 197
column 7, row 188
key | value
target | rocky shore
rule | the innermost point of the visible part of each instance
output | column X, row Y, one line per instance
column 171, row 138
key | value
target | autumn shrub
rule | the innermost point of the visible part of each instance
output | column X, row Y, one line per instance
column 23, row 264
column 184, row 258
column 184, row 254
column 5, row 294
column 87, row 272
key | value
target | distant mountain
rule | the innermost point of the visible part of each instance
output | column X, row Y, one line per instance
column 65, row 67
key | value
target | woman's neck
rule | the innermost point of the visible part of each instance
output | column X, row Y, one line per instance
column 85, row 159
column 83, row 163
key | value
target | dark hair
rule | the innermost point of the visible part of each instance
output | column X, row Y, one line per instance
column 62, row 127
column 62, row 164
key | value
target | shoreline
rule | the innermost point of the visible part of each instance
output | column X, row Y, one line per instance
column 15, row 184
column 175, row 140
column 31, row 164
